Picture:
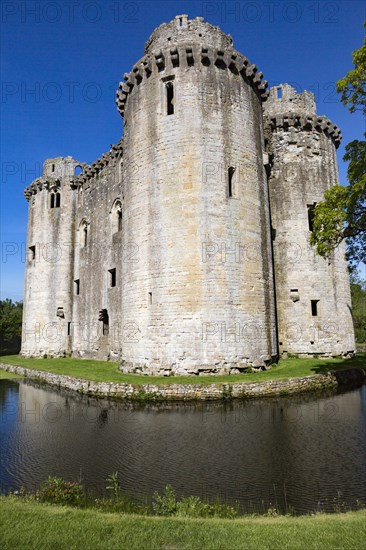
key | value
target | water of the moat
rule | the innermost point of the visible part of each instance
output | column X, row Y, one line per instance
column 305, row 453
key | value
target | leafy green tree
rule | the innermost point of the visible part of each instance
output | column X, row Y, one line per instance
column 358, row 294
column 10, row 324
column 342, row 215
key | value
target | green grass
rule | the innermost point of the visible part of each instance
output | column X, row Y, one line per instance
column 8, row 375
column 31, row 525
column 107, row 371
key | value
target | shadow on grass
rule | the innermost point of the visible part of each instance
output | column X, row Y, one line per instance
column 358, row 362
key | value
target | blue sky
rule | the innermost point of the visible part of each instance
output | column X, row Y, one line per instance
column 62, row 61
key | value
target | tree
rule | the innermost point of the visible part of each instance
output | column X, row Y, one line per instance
column 342, row 214
column 10, row 325
column 358, row 295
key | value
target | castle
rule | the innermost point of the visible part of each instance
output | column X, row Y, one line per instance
column 185, row 248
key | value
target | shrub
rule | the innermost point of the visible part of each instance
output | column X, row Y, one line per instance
column 165, row 504
column 58, row 491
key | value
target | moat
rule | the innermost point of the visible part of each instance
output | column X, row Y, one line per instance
column 300, row 453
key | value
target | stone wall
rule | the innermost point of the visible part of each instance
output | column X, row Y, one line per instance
column 351, row 378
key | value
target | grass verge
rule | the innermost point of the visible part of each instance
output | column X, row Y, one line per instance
column 107, row 371
column 31, row 525
column 4, row 375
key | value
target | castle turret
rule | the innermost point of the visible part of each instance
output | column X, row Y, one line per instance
column 49, row 260
column 200, row 293
column 313, row 294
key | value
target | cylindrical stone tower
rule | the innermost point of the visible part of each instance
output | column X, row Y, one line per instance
column 49, row 260
column 312, row 293
column 198, row 293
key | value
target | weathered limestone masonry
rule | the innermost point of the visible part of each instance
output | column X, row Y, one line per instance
column 160, row 253
column 312, row 294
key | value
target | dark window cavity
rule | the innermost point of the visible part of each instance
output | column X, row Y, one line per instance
column 169, row 98
column 230, row 187
column 314, row 308
column 55, row 200
column 311, row 212
column 112, row 277
column 32, row 252
column 105, row 323
column 77, row 287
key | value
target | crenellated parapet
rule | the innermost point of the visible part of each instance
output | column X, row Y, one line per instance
column 302, row 122
column 184, row 43
column 188, row 56
column 42, row 183
column 182, row 29
column 107, row 159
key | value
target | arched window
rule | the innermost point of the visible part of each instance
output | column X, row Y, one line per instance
column 116, row 214
column 78, row 170
column 55, row 199
column 83, row 238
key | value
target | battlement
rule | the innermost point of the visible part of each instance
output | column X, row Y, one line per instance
column 187, row 56
column 115, row 152
column 55, row 170
column 284, row 99
column 61, row 167
column 286, row 109
column 183, row 29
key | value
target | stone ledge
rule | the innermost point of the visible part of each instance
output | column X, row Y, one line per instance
column 347, row 379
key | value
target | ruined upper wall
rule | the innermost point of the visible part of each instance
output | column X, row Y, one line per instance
column 55, row 171
column 285, row 108
column 182, row 29
column 284, row 99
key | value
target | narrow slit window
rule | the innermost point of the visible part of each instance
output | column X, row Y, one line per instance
column 119, row 220
column 150, row 298
column 77, row 287
column 52, row 204
column 311, row 212
column 230, row 187
column 106, row 324
column 68, row 328
column 32, row 253
column 112, row 277
column 58, row 200
column 84, row 234
column 314, row 308
column 53, row 167
column 170, row 98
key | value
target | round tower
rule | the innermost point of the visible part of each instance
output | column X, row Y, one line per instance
column 49, row 260
column 312, row 293
column 198, row 293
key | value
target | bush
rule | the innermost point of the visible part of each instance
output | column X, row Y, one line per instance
column 58, row 491
column 165, row 504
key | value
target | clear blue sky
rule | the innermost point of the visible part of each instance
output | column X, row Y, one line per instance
column 62, row 61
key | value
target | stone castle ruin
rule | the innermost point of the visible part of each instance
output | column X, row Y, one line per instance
column 185, row 248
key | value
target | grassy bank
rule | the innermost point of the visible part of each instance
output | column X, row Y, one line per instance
column 4, row 375
column 31, row 525
column 107, row 371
